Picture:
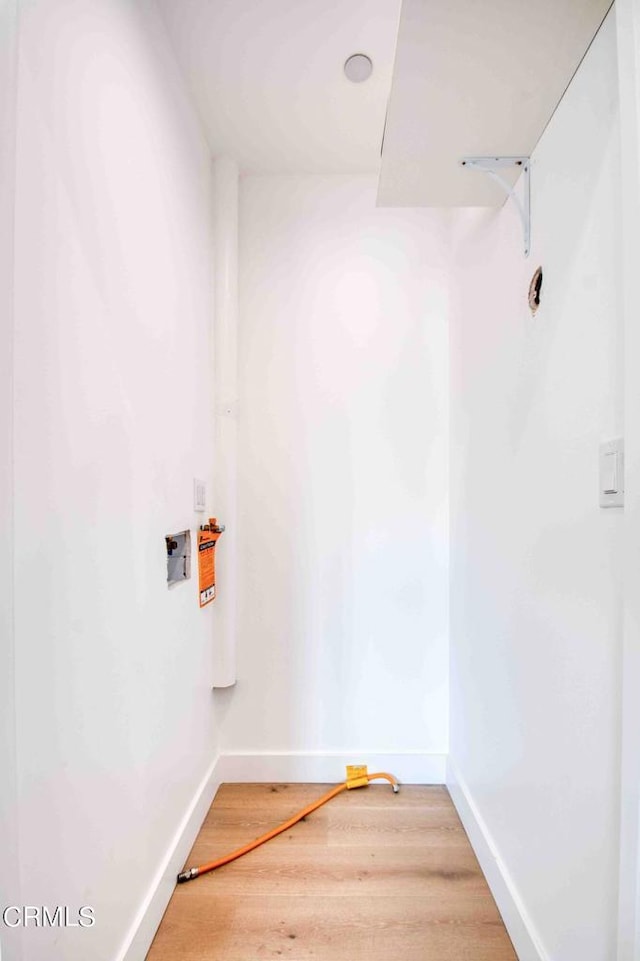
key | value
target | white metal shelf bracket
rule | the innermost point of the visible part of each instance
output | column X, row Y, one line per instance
column 491, row 166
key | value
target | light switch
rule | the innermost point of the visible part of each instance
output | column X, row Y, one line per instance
column 199, row 494
column 612, row 473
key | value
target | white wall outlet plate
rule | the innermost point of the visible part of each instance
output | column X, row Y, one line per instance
column 612, row 473
column 199, row 495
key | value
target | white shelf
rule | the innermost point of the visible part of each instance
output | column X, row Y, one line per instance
column 475, row 78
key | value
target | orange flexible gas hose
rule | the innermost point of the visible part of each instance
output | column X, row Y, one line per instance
column 191, row 873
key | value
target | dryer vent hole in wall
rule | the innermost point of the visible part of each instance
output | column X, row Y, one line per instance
column 534, row 290
column 178, row 557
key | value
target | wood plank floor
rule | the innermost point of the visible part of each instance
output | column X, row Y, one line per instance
column 370, row 876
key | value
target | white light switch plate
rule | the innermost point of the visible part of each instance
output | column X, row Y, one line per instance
column 612, row 473
column 199, row 495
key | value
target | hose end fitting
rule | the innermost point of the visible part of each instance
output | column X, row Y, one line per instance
column 187, row 875
column 396, row 788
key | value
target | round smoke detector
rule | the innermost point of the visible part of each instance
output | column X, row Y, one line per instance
column 358, row 68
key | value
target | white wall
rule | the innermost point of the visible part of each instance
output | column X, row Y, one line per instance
column 115, row 720
column 342, row 473
column 535, row 585
column 9, row 883
column 628, row 36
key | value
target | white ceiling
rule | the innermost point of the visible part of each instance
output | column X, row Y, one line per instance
column 267, row 77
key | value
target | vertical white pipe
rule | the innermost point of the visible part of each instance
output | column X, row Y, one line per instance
column 225, row 211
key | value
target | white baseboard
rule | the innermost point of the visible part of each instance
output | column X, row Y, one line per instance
column 318, row 767
column 142, row 931
column 526, row 941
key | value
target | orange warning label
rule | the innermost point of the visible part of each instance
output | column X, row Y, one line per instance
column 207, row 540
